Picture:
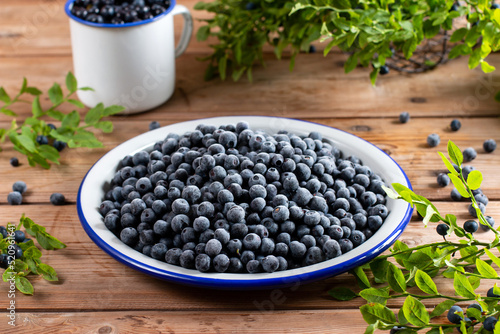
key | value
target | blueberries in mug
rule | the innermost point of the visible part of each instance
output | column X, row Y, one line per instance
column 118, row 12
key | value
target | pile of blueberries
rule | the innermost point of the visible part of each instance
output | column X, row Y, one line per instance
column 118, row 11
column 230, row 199
column 19, row 237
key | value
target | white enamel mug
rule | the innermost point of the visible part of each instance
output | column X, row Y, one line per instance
column 131, row 64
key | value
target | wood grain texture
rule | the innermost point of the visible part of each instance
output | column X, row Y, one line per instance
column 90, row 280
column 406, row 143
column 220, row 322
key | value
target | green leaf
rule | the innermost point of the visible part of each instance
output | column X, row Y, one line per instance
column 462, row 286
column 493, row 257
column 49, row 153
column 32, row 252
column 425, row 283
column 56, row 94
column 33, row 91
column 76, row 103
column 86, row 89
column 458, row 35
column 351, row 63
column 372, row 295
column 379, row 270
column 4, row 97
column 487, row 68
column 474, row 58
column 474, row 179
column 105, row 126
column 202, row 33
column 395, row 278
column 71, row 82
column 374, row 75
column 448, row 164
column 32, row 266
column 71, row 120
column 341, row 293
column 473, row 313
column 94, row 115
column 459, row 185
column 371, row 328
column 455, row 154
column 43, row 240
column 7, row 112
column 47, row 272
column 441, row 308
column 223, row 67
column 113, row 110
column 361, row 277
column 23, row 285
column 485, row 269
column 415, row 312
column 36, row 108
column 374, row 312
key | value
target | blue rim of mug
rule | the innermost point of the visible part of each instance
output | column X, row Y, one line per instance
column 69, row 5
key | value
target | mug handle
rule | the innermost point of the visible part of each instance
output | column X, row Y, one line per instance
column 186, row 32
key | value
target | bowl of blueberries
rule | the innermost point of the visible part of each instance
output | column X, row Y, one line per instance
column 243, row 202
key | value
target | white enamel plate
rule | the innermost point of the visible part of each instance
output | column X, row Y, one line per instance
column 93, row 188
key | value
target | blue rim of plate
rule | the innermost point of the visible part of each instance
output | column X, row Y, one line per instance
column 265, row 283
column 69, row 5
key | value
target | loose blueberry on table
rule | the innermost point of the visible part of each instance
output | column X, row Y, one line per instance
column 118, row 11
column 230, row 199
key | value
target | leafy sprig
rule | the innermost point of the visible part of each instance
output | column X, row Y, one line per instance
column 71, row 131
column 369, row 30
column 30, row 262
column 465, row 262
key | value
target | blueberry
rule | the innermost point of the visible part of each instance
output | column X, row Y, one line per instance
column 203, row 262
column 270, row 263
column 472, row 210
column 471, row 226
column 18, row 252
column 19, row 186
column 172, row 256
column 404, row 117
column 14, row 162
column 252, row 241
column 433, row 140
column 19, row 236
column 489, row 145
column 443, row 179
column 384, row 70
column 455, row 195
column 57, row 199
column 236, row 214
column 59, row 145
column 374, row 222
column 331, row 248
column 345, row 245
column 490, row 221
column 455, row 125
column 490, row 293
column 481, row 198
column 452, row 317
column 129, row 236
column 158, row 251
column 297, row 249
column 213, row 247
column 221, row 263
column 357, row 238
column 42, row 140
column 442, row 229
column 222, row 235
column 490, row 323
column 469, row 154
column 14, row 198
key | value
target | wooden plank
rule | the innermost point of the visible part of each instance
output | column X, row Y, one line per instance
column 297, row 321
column 317, row 88
column 406, row 143
column 90, row 280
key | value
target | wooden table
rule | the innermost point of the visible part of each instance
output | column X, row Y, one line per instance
column 96, row 294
